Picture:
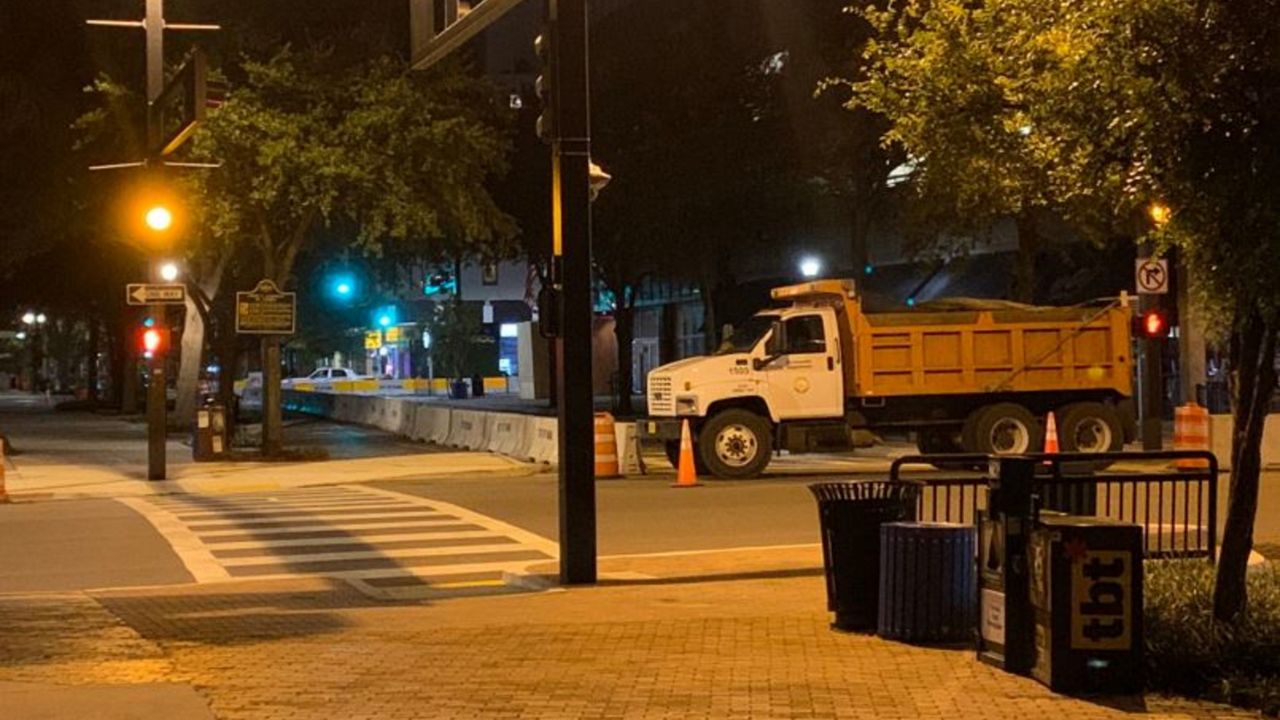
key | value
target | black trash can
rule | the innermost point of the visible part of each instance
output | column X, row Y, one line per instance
column 850, row 515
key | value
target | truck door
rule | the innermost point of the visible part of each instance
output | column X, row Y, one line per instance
column 807, row 381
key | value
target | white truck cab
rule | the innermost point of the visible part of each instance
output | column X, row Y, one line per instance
column 778, row 366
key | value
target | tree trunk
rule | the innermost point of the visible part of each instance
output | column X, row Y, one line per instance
column 128, row 366
column 1253, row 355
column 190, row 361
column 228, row 366
column 624, row 329
column 1024, row 273
column 91, row 362
column 272, row 417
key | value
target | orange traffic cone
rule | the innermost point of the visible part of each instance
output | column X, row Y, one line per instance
column 1050, row 436
column 686, row 474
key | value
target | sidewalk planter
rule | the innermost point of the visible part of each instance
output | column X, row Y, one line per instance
column 850, row 515
column 928, row 582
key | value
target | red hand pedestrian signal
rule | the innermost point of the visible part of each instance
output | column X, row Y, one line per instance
column 1154, row 324
column 153, row 340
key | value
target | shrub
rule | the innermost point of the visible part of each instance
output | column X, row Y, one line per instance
column 1189, row 654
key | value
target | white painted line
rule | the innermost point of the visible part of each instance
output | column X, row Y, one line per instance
column 351, row 539
column 190, row 550
column 517, row 533
column 712, row 551
column 389, row 554
column 335, row 527
column 335, row 518
column 277, row 512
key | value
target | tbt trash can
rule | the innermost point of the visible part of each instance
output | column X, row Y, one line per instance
column 928, row 582
column 850, row 515
column 1086, row 591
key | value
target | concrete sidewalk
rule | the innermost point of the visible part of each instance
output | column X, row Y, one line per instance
column 691, row 637
column 77, row 455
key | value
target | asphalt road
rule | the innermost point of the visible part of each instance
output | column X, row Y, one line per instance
column 81, row 545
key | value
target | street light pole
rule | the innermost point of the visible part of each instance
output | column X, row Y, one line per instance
column 157, row 398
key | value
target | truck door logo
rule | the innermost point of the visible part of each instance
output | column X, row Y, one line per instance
column 801, row 385
column 1101, row 599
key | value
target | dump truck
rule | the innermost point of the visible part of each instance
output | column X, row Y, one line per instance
column 960, row 376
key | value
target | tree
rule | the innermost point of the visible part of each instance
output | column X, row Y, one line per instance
column 1128, row 103
column 308, row 140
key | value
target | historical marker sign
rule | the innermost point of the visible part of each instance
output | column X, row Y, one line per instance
column 266, row 310
column 149, row 294
column 1152, row 276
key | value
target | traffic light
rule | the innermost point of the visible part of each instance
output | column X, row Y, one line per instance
column 152, row 341
column 1152, row 323
column 544, row 46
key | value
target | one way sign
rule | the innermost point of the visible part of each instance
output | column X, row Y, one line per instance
column 147, row 294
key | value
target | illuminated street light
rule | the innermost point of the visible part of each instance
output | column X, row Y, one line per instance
column 1159, row 213
column 169, row 271
column 159, row 218
column 40, row 319
column 29, row 318
column 810, row 266
column 22, row 335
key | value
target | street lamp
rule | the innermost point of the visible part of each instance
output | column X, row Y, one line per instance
column 29, row 318
column 159, row 218
column 22, row 335
column 169, row 271
column 1159, row 213
column 40, row 319
column 810, row 266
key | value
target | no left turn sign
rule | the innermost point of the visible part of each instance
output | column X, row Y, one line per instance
column 1152, row 276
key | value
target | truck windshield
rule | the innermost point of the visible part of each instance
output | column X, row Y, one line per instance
column 746, row 335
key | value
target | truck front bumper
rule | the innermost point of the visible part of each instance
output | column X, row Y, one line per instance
column 662, row 429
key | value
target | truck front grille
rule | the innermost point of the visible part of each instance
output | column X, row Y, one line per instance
column 661, row 401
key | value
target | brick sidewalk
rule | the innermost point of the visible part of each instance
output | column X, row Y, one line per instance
column 753, row 648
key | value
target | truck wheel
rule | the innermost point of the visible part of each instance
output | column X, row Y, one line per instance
column 934, row 441
column 735, row 444
column 1090, row 427
column 1003, row 429
column 672, row 448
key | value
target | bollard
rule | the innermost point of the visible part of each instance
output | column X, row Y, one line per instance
column 606, row 447
column 1191, row 432
column 4, row 493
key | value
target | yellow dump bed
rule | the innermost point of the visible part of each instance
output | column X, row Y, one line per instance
column 976, row 347
column 984, row 351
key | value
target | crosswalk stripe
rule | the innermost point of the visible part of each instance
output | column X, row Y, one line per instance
column 351, row 539
column 427, row 525
column 367, row 536
column 388, row 554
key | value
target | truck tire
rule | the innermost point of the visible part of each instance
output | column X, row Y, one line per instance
column 1090, row 427
column 672, row 448
column 735, row 443
column 1003, row 429
column 931, row 441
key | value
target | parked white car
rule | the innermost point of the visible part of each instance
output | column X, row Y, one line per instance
column 324, row 377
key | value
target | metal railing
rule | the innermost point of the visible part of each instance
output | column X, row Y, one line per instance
column 1177, row 507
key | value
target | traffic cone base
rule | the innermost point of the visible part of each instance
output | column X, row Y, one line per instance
column 686, row 473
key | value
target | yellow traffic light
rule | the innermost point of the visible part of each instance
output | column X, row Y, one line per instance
column 1159, row 212
column 159, row 218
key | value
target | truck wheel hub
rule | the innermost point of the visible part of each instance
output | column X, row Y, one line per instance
column 1092, row 435
column 736, row 445
column 1010, row 437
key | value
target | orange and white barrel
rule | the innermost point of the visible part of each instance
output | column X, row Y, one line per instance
column 606, row 447
column 1191, row 432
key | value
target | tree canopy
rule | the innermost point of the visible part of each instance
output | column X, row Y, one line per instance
column 1101, row 109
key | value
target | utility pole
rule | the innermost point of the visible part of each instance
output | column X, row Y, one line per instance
column 153, row 25
column 571, row 238
column 437, row 28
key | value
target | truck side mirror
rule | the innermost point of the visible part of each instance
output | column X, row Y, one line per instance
column 773, row 347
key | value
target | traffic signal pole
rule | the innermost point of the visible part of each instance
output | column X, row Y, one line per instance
column 571, row 237
column 1152, row 384
column 157, row 400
